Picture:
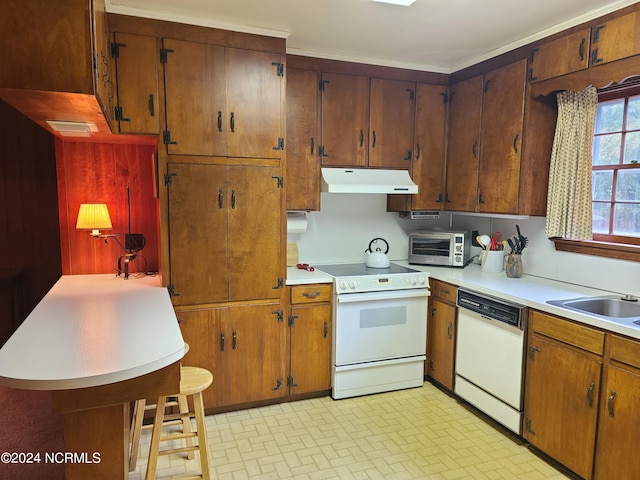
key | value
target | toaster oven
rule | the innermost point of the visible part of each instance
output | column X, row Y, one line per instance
column 436, row 247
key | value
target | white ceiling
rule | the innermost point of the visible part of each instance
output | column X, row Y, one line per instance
column 432, row 35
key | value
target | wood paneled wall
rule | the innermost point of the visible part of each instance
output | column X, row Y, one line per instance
column 90, row 172
column 29, row 229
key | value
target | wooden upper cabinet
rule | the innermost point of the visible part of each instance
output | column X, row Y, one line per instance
column 464, row 145
column 616, row 39
column 392, row 106
column 222, row 101
column 194, row 95
column 218, row 251
column 559, row 57
column 302, row 174
column 136, row 63
column 428, row 169
column 254, row 83
column 501, row 139
column 345, row 120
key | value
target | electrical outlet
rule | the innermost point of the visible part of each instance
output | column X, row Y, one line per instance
column 134, row 241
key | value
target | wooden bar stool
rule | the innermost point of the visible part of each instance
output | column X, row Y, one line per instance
column 193, row 381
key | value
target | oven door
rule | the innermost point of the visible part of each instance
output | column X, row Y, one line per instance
column 376, row 326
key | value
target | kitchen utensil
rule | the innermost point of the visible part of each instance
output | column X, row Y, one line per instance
column 305, row 266
column 497, row 237
column 376, row 258
column 479, row 240
column 486, row 241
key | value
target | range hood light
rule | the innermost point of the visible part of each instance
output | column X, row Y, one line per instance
column 367, row 180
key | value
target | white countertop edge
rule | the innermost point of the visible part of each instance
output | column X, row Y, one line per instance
column 528, row 290
column 94, row 381
column 295, row 276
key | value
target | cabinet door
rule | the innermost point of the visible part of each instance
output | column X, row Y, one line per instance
column 253, row 103
column 429, row 147
column 136, row 59
column 561, row 403
column 194, row 98
column 616, row 39
column 392, row 107
column 501, row 139
column 257, row 356
column 198, row 233
column 441, row 330
column 616, row 455
column 463, row 146
column 206, row 332
column 345, row 120
column 255, row 203
column 559, row 57
column 311, row 348
column 303, row 124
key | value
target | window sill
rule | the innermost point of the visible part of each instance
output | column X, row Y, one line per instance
column 599, row 249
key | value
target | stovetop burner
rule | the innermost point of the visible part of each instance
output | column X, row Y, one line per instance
column 357, row 277
column 358, row 269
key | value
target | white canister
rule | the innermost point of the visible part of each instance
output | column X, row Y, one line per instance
column 492, row 261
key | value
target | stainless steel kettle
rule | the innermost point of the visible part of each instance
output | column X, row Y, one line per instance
column 376, row 258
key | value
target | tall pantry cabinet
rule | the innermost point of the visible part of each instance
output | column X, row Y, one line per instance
column 220, row 105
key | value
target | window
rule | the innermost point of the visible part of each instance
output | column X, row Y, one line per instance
column 616, row 167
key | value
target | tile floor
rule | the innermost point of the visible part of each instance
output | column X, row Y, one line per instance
column 420, row 433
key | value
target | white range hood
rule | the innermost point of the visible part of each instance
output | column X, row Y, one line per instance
column 367, row 180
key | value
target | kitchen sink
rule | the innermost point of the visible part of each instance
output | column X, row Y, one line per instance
column 609, row 307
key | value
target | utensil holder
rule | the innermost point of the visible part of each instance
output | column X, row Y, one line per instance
column 513, row 269
column 492, row 261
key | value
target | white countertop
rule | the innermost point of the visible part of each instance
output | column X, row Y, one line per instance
column 93, row 330
column 527, row 290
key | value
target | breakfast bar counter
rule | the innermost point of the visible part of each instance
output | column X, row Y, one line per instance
column 97, row 342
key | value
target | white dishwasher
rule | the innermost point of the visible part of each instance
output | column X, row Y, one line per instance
column 490, row 356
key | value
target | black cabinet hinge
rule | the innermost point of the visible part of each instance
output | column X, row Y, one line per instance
column 532, row 55
column 321, row 84
column 445, row 97
column 166, row 138
column 118, row 115
column 164, row 57
column 279, row 68
column 321, row 151
column 280, row 284
column 280, row 181
column 115, row 49
column 172, row 291
column 280, row 145
column 279, row 314
column 278, row 385
column 291, row 320
column 412, row 94
column 530, row 76
column 290, row 382
column 168, row 179
column 596, row 33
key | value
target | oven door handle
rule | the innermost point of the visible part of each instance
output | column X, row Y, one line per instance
column 385, row 295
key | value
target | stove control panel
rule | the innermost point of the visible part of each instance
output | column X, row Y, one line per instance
column 377, row 283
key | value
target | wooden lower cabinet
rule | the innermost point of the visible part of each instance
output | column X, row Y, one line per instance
column 244, row 346
column 310, row 339
column 616, row 452
column 441, row 334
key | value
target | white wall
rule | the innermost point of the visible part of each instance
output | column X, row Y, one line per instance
column 341, row 231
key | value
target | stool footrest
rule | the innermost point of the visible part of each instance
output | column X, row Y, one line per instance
column 178, row 436
column 178, row 450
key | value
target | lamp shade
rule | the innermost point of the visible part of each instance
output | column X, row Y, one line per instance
column 93, row 216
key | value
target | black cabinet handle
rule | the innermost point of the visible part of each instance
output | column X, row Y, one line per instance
column 474, row 149
column 313, row 145
column 152, row 106
column 417, row 151
column 232, row 122
column 220, row 198
column 515, row 143
column 592, row 387
column 233, row 198
column 373, row 143
column 326, row 328
column 234, row 341
column 581, row 49
column 222, row 341
column 219, row 121
column 361, row 138
column 611, row 403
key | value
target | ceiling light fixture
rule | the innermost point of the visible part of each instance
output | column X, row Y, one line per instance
column 404, row 3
